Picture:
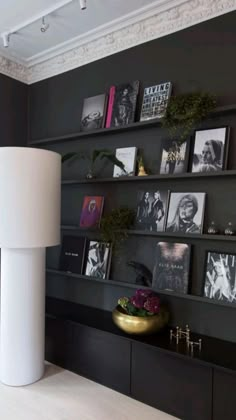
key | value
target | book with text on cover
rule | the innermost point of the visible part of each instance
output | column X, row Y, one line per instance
column 155, row 101
column 72, row 254
column 127, row 155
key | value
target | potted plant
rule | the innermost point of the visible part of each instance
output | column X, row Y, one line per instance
column 102, row 154
column 142, row 313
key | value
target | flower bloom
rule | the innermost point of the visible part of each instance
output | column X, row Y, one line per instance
column 152, row 304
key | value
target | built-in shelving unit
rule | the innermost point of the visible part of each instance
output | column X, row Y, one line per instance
column 130, row 127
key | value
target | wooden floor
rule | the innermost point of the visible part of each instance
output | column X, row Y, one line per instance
column 62, row 395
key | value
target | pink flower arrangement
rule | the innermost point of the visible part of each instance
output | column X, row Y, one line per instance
column 145, row 302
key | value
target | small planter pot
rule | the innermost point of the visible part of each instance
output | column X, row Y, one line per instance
column 140, row 325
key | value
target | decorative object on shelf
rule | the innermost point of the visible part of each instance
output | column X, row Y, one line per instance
column 141, row 169
column 212, row 229
column 102, row 154
column 171, row 269
column 152, row 210
column 174, row 156
column 220, row 275
column 115, row 224
column 126, row 155
column 181, row 334
column 210, row 150
column 98, row 260
column 155, row 101
column 122, row 104
column 140, row 314
column 186, row 212
column 91, row 212
column 185, row 111
column 229, row 230
column 94, row 112
column 144, row 275
column 72, row 254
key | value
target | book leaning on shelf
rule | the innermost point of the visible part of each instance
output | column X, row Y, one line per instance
column 94, row 112
column 155, row 101
column 127, row 155
column 122, row 104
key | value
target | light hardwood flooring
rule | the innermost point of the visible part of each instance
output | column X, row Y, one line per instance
column 62, row 395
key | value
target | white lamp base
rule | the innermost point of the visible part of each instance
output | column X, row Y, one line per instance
column 22, row 316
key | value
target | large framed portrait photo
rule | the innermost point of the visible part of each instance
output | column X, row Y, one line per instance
column 174, row 156
column 210, row 150
column 220, row 277
column 151, row 211
column 186, row 212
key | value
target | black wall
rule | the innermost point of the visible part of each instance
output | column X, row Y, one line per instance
column 201, row 57
column 13, row 112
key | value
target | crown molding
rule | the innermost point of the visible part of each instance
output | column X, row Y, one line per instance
column 159, row 19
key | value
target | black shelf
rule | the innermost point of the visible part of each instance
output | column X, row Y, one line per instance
column 186, row 175
column 130, row 127
column 190, row 297
column 204, row 236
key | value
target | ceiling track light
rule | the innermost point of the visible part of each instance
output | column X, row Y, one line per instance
column 44, row 26
column 83, row 4
column 6, row 40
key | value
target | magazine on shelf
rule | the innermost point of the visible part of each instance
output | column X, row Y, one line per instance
column 91, row 211
column 155, row 101
column 98, row 260
column 72, row 254
column 127, row 155
column 122, row 104
column 94, row 112
column 171, row 270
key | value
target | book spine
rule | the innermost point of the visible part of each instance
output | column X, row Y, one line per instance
column 110, row 106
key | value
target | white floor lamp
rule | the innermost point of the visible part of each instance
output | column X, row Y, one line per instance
column 30, row 207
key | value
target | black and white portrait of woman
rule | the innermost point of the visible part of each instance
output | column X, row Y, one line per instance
column 210, row 150
column 98, row 260
column 152, row 210
column 220, row 280
column 186, row 212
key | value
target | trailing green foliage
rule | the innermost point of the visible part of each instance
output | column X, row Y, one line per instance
column 115, row 224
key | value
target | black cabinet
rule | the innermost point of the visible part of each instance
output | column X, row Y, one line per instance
column 58, row 341
column 173, row 385
column 102, row 357
column 224, row 391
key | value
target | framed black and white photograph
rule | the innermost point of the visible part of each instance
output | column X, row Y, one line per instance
column 186, row 212
column 171, row 269
column 210, row 152
column 151, row 210
column 98, row 260
column 94, row 112
column 220, row 277
column 174, row 156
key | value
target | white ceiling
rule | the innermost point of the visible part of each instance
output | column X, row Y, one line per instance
column 66, row 24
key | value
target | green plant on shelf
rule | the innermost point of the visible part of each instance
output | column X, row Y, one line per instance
column 115, row 224
column 185, row 111
column 102, row 154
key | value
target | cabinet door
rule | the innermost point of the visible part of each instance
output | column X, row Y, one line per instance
column 102, row 357
column 58, row 342
column 224, row 392
column 173, row 385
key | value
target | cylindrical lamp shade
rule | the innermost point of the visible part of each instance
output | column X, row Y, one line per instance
column 30, row 197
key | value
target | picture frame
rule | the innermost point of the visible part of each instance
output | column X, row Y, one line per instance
column 186, row 212
column 91, row 212
column 98, row 259
column 220, row 276
column 210, row 149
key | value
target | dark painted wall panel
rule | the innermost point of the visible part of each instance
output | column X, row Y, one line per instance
column 13, row 112
column 199, row 57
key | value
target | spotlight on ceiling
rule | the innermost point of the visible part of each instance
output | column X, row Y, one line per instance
column 44, row 26
column 6, row 40
column 83, row 4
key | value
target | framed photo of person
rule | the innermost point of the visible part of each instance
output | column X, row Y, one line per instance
column 98, row 260
column 210, row 152
column 220, row 277
column 151, row 211
column 174, row 156
column 91, row 212
column 186, row 212
column 171, row 269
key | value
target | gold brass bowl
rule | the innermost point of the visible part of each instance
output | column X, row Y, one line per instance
column 140, row 324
